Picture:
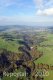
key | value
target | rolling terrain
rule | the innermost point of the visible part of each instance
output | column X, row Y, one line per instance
column 30, row 43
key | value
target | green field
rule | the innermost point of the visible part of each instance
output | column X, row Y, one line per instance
column 9, row 41
column 8, row 45
column 47, row 48
column 50, row 76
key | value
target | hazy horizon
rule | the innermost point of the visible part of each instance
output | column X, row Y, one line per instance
column 26, row 12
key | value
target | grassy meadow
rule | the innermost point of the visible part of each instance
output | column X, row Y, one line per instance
column 45, row 46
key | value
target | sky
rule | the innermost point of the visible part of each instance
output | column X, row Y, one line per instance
column 26, row 12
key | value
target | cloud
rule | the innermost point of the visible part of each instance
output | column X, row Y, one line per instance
column 38, row 3
column 44, row 7
column 26, row 20
column 47, row 12
column 41, row 4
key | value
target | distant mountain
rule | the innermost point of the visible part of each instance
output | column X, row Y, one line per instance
column 24, row 28
column 50, row 29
